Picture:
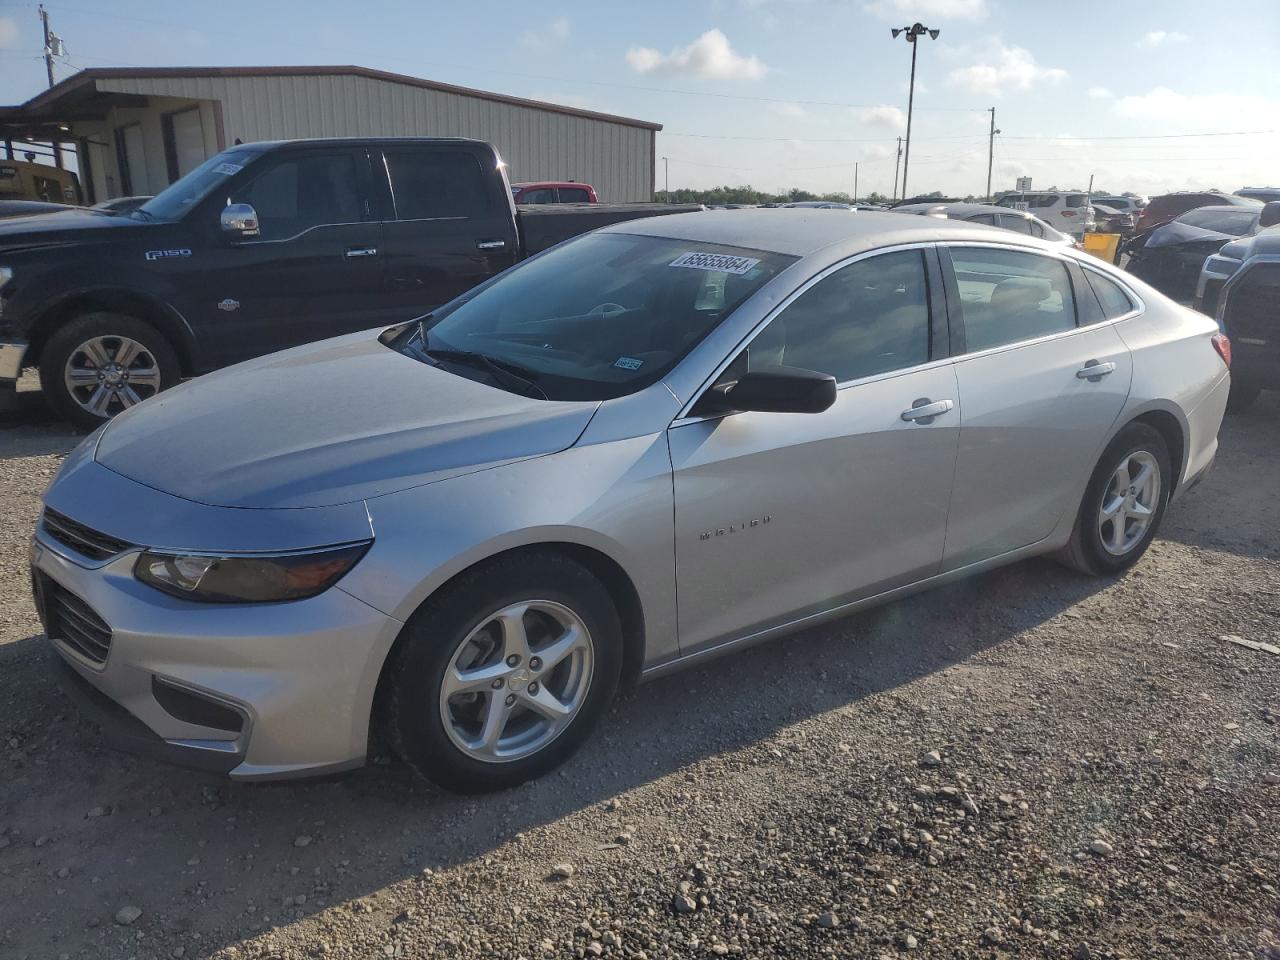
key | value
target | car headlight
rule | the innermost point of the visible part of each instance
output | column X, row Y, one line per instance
column 1219, row 267
column 248, row 578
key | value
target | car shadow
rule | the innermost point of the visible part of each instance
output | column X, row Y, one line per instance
column 379, row 826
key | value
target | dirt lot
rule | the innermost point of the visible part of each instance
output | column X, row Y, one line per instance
column 1030, row 764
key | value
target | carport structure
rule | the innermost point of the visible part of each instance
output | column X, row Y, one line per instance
column 137, row 129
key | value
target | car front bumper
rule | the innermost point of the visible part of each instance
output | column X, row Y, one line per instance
column 258, row 691
column 12, row 353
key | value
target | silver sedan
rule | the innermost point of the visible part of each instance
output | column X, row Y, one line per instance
column 646, row 447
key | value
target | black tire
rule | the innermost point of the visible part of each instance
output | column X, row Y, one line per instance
column 1085, row 551
column 411, row 685
column 1241, row 398
column 67, row 340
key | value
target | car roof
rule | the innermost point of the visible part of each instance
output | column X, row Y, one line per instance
column 1222, row 208
column 525, row 184
column 804, row 230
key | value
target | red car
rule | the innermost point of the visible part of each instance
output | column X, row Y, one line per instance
column 1172, row 205
column 553, row 191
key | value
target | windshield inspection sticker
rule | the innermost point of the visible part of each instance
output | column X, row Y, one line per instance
column 719, row 262
column 227, row 169
column 628, row 363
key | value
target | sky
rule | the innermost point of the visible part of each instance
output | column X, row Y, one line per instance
column 1145, row 96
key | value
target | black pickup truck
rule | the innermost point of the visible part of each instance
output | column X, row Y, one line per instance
column 262, row 247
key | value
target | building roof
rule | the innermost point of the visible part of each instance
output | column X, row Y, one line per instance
column 70, row 95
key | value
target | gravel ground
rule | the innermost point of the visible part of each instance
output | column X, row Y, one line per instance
column 1029, row 764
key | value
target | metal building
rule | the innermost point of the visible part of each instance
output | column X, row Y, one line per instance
column 137, row 129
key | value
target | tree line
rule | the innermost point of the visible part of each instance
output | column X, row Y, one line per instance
column 749, row 194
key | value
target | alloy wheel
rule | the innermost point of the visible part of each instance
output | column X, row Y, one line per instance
column 106, row 375
column 1129, row 503
column 516, row 681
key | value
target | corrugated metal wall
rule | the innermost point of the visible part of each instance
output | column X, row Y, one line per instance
column 617, row 159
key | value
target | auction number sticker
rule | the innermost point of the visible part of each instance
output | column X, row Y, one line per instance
column 228, row 169
column 718, row 262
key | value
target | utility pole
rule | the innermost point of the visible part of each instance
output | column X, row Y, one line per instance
column 855, row 181
column 896, row 165
column 48, row 66
column 991, row 149
column 913, row 33
column 666, row 176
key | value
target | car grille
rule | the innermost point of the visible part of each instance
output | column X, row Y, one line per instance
column 1253, row 309
column 83, row 540
column 68, row 618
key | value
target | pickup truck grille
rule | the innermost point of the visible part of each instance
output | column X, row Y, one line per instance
column 83, row 540
column 69, row 619
column 1253, row 309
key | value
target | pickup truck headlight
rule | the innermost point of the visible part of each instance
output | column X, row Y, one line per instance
column 1219, row 267
column 248, row 578
column 6, row 274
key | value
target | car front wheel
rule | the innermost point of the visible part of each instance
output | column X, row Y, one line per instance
column 503, row 676
column 1123, row 504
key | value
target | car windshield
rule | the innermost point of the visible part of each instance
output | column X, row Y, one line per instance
column 598, row 317
column 1234, row 222
column 181, row 195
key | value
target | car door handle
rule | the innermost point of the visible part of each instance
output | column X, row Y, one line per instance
column 924, row 410
column 1095, row 371
column 353, row 252
column 490, row 244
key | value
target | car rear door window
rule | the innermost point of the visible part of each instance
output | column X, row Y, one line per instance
column 988, row 218
column 1017, row 224
column 1076, row 200
column 296, row 193
column 574, row 195
column 1115, row 302
column 437, row 184
column 867, row 318
column 540, row 195
column 1007, row 296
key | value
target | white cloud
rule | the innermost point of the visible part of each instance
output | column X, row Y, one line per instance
column 1101, row 93
column 1211, row 111
column 556, row 31
column 884, row 115
column 1158, row 38
column 909, row 11
column 788, row 111
column 8, row 33
column 1006, row 68
column 710, row 57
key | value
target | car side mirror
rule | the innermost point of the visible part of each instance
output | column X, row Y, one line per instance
column 1270, row 215
column 775, row 390
column 239, row 221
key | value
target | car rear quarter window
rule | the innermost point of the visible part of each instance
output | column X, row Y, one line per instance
column 1007, row 296
column 1012, row 222
column 988, row 218
column 538, row 195
column 574, row 195
column 867, row 318
column 1115, row 302
column 1076, row 200
column 437, row 184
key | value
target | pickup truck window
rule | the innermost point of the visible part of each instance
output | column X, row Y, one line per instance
column 436, row 184
column 597, row 317
column 185, row 192
column 574, row 195
column 295, row 193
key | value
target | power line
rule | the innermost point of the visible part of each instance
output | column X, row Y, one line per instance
column 1157, row 136
column 885, row 139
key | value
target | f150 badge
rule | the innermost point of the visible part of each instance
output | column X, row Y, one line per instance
column 735, row 527
column 165, row 254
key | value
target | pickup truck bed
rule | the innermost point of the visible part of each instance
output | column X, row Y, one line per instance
column 543, row 225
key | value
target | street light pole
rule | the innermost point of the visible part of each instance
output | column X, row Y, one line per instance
column 897, row 165
column 991, row 149
column 855, row 181
column 666, row 177
column 913, row 33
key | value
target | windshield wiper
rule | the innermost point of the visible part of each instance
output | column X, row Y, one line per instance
column 510, row 374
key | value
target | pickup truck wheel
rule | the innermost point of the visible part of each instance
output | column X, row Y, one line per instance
column 101, row 364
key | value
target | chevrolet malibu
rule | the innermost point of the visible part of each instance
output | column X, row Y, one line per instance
column 646, row 447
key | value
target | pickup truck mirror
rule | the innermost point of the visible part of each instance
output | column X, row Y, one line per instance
column 239, row 221
column 775, row 390
column 1270, row 215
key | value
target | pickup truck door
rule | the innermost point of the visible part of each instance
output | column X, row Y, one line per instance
column 312, row 273
column 448, row 224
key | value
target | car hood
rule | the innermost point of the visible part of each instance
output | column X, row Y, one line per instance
column 65, row 226
column 328, row 423
column 1174, row 233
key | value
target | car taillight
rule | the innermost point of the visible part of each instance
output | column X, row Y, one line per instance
column 1068, row 213
column 1222, row 344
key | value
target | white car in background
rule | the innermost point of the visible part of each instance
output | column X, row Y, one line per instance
column 1131, row 205
column 1065, row 210
column 1019, row 221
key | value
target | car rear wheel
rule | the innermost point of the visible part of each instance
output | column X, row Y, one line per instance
column 101, row 364
column 1123, row 504
column 502, row 676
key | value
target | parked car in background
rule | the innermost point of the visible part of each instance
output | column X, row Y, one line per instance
column 914, row 200
column 819, row 205
column 1170, row 256
column 1019, row 221
column 656, row 443
column 28, row 180
column 1129, row 205
column 1265, row 194
column 1064, row 210
column 1240, row 285
column 1165, row 208
column 553, row 191
column 1109, row 220
column 261, row 247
